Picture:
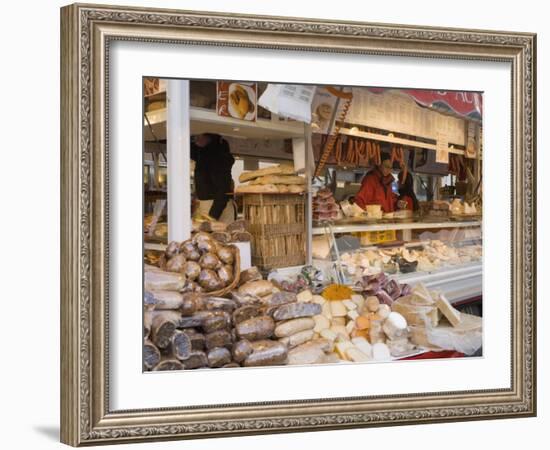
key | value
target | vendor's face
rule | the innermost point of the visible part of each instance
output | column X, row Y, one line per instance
column 323, row 111
column 202, row 140
column 385, row 168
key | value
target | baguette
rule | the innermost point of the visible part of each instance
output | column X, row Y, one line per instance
column 279, row 179
column 296, row 189
column 281, row 169
column 258, row 189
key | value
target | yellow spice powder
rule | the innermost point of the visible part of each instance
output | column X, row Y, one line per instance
column 336, row 292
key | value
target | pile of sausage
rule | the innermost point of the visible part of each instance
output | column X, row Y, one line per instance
column 259, row 326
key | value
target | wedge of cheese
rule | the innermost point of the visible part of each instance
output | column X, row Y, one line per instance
column 451, row 314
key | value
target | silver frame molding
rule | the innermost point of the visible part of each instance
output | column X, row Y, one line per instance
column 86, row 33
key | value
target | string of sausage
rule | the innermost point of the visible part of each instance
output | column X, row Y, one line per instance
column 357, row 152
column 334, row 137
column 456, row 162
column 398, row 155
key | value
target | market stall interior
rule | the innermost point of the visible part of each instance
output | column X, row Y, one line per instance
column 298, row 224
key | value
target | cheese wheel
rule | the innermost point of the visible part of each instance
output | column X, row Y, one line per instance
column 395, row 326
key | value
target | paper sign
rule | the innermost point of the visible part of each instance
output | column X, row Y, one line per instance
column 471, row 142
column 237, row 100
column 291, row 101
column 442, row 150
column 295, row 101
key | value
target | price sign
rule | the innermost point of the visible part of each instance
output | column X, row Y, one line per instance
column 442, row 149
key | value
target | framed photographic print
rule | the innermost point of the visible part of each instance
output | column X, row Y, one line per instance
column 278, row 225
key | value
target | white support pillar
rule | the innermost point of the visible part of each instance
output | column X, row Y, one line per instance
column 309, row 165
column 178, row 154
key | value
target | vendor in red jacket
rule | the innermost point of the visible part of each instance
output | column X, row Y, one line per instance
column 376, row 187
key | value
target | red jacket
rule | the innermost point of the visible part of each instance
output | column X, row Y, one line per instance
column 376, row 190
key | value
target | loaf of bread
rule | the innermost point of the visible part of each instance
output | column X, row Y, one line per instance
column 279, row 179
column 258, row 189
column 296, row 189
column 281, row 169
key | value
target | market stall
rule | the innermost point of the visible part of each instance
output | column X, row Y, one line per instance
column 304, row 274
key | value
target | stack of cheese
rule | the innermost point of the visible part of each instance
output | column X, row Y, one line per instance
column 424, row 311
column 423, row 307
column 431, row 256
column 280, row 179
column 360, row 330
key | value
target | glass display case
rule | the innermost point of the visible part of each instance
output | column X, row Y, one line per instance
column 445, row 255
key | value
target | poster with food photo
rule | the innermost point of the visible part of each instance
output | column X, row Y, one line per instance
column 237, row 100
column 322, row 109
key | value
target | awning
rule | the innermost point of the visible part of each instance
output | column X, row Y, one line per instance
column 462, row 103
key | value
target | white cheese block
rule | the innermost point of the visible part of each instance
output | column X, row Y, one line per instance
column 321, row 323
column 329, row 334
column 350, row 326
column 341, row 321
column 349, row 304
column 359, row 300
column 353, row 314
column 383, row 311
column 421, row 295
column 362, row 344
column 373, row 303
column 452, row 315
column 340, row 331
column 304, row 296
column 380, row 352
column 356, row 355
column 338, row 309
column 325, row 310
column 395, row 326
column 319, row 299
column 342, row 347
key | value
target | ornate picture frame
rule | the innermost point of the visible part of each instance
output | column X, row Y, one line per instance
column 87, row 31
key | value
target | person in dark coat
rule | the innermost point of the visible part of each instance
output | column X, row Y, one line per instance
column 213, row 181
column 406, row 192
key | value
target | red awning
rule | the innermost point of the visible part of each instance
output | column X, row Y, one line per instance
column 462, row 103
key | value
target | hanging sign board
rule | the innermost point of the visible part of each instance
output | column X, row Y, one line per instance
column 396, row 111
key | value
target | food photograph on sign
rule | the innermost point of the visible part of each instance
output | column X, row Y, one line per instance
column 291, row 225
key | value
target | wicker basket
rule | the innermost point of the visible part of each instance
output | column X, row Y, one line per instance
column 237, row 274
column 277, row 225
